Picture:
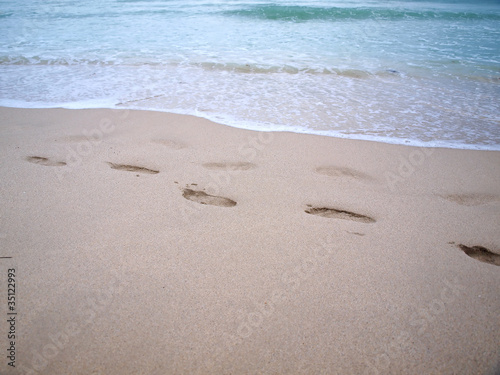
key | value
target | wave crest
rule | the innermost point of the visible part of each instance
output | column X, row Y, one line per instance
column 298, row 13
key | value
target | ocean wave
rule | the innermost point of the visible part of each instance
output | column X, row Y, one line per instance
column 61, row 61
column 298, row 13
column 117, row 13
column 208, row 66
column 288, row 69
column 238, row 68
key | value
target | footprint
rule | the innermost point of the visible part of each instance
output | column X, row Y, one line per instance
column 334, row 213
column 481, row 253
column 204, row 198
column 333, row 171
column 230, row 166
column 132, row 168
column 470, row 199
column 174, row 145
column 45, row 161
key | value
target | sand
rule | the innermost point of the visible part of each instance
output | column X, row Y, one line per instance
column 155, row 243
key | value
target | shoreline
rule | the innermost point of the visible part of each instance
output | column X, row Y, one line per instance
column 151, row 243
column 256, row 126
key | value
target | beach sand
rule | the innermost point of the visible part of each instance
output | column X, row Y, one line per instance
column 155, row 243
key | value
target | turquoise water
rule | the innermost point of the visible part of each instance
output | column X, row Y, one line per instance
column 413, row 72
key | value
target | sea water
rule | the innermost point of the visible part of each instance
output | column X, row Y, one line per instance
column 412, row 72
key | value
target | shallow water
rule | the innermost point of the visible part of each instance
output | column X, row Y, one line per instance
column 415, row 72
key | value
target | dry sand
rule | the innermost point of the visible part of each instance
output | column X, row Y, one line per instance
column 154, row 243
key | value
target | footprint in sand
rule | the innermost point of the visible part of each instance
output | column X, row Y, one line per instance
column 230, row 166
column 481, row 253
column 333, row 213
column 201, row 197
column 333, row 171
column 173, row 145
column 45, row 161
column 356, row 233
column 471, row 199
column 132, row 168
